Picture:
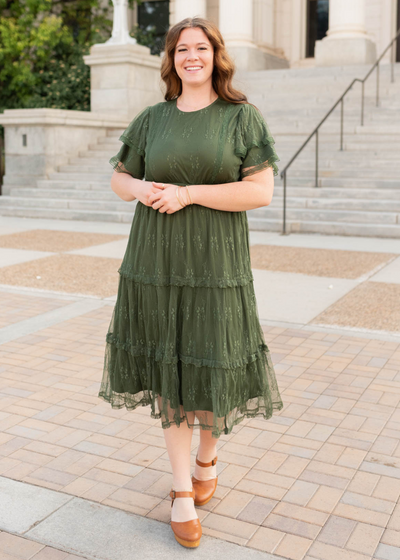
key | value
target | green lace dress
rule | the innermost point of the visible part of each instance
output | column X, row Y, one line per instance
column 185, row 332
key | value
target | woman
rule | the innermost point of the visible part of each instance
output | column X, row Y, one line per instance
column 185, row 336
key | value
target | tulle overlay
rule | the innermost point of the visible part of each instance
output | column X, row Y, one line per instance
column 185, row 333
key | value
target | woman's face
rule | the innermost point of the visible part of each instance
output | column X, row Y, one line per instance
column 193, row 49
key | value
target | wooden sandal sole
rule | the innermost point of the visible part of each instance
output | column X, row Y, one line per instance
column 203, row 503
column 187, row 544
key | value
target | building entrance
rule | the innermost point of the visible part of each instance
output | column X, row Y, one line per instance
column 317, row 23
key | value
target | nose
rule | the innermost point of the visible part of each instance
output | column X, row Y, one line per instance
column 192, row 56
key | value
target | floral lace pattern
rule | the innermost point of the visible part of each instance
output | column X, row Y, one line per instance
column 182, row 349
column 185, row 333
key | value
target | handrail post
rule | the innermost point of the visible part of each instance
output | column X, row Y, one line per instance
column 362, row 103
column 316, row 158
column 341, row 124
column 377, row 85
column 392, row 60
column 284, row 203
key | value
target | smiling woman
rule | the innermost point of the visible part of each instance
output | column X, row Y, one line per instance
column 185, row 335
column 194, row 57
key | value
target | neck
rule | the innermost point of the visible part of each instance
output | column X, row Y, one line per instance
column 192, row 99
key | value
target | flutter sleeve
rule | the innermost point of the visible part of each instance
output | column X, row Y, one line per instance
column 254, row 142
column 131, row 156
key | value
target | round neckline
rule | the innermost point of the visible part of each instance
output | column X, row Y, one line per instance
column 197, row 110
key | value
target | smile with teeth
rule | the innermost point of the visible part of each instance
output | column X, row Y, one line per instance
column 193, row 68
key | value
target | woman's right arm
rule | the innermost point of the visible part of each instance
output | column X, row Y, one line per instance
column 129, row 188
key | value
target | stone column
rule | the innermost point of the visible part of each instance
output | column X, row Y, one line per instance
column 124, row 76
column 236, row 26
column 347, row 41
column 124, row 79
column 188, row 8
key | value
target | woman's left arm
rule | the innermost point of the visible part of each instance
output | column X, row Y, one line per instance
column 251, row 192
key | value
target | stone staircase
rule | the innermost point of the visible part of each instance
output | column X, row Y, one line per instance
column 78, row 191
column 358, row 190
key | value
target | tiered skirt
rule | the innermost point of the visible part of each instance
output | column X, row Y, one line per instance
column 185, row 333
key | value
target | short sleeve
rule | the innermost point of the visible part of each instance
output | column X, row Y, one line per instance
column 131, row 156
column 254, row 142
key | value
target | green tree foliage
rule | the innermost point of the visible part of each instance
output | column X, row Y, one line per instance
column 42, row 43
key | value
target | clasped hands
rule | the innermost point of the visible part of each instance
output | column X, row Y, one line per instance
column 164, row 198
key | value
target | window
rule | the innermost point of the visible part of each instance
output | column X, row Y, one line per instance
column 153, row 21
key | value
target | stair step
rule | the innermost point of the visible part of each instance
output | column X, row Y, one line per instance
column 75, row 194
column 72, row 184
column 68, row 203
column 339, row 173
column 326, row 215
column 65, row 214
column 82, row 176
column 351, row 182
column 102, row 168
column 339, row 204
column 326, row 228
column 109, row 146
column 296, row 191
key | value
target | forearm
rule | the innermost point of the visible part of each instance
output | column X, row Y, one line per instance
column 232, row 197
column 126, row 186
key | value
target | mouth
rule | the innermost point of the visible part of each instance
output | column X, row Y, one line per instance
column 193, row 69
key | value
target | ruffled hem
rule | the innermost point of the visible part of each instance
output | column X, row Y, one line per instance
column 265, row 412
column 261, row 167
column 187, row 281
column 159, row 356
column 254, row 142
column 118, row 166
column 205, row 397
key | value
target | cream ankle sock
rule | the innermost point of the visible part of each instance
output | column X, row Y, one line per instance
column 205, row 473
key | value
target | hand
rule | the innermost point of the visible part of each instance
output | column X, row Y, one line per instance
column 144, row 190
column 165, row 200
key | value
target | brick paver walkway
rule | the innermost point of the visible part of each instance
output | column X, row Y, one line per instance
column 320, row 480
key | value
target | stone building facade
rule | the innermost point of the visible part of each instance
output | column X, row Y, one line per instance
column 263, row 34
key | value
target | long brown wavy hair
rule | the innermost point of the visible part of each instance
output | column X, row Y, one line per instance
column 224, row 67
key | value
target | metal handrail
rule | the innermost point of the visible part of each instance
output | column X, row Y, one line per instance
column 340, row 100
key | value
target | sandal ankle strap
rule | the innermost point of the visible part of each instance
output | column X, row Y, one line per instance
column 182, row 494
column 210, row 464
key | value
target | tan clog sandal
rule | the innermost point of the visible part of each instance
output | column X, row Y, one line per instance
column 204, row 489
column 187, row 533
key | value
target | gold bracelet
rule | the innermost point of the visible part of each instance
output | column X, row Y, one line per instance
column 187, row 199
column 191, row 201
column 179, row 200
column 181, row 197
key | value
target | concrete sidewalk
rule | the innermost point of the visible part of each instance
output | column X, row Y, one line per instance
column 320, row 480
column 332, row 282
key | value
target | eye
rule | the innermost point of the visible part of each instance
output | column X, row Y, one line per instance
column 181, row 50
